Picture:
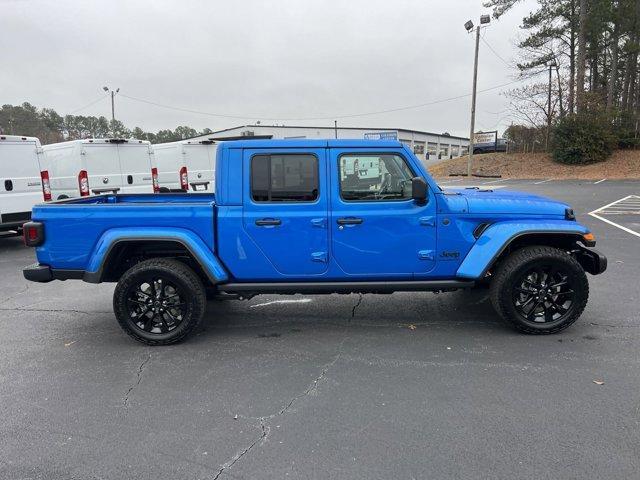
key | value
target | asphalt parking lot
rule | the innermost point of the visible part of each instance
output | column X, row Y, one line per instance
column 347, row 387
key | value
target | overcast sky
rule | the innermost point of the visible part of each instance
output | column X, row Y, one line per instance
column 275, row 61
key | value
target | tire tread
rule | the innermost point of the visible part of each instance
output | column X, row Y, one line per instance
column 514, row 261
column 187, row 275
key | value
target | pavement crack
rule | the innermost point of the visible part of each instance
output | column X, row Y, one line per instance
column 264, row 432
column 141, row 368
column 264, row 428
column 355, row 307
column 8, row 299
column 48, row 310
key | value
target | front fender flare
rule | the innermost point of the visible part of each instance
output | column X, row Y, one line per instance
column 498, row 236
column 197, row 247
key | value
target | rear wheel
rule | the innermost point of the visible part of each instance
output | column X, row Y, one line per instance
column 540, row 290
column 159, row 301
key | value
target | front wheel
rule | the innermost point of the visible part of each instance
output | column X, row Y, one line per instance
column 540, row 290
column 159, row 301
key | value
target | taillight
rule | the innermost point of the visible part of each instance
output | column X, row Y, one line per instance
column 46, row 186
column 154, row 180
column 33, row 234
column 184, row 179
column 83, row 183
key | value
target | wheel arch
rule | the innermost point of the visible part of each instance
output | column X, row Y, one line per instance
column 500, row 239
column 115, row 252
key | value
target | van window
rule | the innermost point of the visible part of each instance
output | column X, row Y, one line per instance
column 284, row 178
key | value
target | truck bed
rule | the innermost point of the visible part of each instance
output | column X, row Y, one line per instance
column 137, row 198
column 74, row 228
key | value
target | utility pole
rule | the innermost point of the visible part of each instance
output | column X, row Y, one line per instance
column 484, row 19
column 113, row 108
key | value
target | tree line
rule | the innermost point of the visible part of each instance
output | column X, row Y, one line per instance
column 591, row 48
column 50, row 127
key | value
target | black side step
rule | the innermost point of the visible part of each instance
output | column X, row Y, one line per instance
column 345, row 287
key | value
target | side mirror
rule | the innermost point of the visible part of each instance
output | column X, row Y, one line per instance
column 419, row 190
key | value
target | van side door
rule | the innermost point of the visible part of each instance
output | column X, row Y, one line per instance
column 285, row 202
column 377, row 229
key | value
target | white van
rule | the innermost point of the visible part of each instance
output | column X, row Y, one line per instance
column 100, row 165
column 186, row 165
column 23, row 181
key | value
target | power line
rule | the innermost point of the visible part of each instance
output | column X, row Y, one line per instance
column 102, row 97
column 328, row 117
column 496, row 53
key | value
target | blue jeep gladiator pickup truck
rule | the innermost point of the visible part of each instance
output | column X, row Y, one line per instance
column 312, row 217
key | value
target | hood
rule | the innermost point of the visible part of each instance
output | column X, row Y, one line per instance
column 503, row 201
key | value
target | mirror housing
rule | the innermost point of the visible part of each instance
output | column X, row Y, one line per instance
column 419, row 190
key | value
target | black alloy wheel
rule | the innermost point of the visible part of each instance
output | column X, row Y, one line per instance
column 159, row 301
column 539, row 289
column 544, row 294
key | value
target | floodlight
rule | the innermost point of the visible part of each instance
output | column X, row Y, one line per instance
column 468, row 25
column 485, row 19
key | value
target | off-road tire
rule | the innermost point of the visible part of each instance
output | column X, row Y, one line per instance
column 186, row 282
column 515, row 266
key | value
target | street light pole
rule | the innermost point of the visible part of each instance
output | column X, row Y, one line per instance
column 113, row 108
column 484, row 19
column 473, row 102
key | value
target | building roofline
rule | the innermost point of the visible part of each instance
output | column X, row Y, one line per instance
column 333, row 128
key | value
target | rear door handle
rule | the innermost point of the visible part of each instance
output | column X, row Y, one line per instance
column 350, row 221
column 268, row 222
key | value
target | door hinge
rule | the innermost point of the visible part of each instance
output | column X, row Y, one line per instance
column 319, row 257
column 319, row 222
column 428, row 221
column 425, row 254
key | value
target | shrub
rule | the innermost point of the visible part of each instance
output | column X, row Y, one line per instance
column 624, row 126
column 583, row 138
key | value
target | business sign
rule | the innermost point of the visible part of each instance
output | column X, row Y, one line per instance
column 486, row 137
column 381, row 136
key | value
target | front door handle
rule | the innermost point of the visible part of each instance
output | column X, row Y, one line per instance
column 268, row 222
column 350, row 221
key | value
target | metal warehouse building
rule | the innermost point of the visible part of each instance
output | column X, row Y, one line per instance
column 426, row 145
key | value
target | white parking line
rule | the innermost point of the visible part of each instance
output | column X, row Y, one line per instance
column 446, row 182
column 599, row 181
column 479, row 186
column 302, row 300
column 543, row 181
column 490, row 182
column 618, row 210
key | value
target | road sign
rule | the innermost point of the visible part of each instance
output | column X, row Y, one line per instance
column 381, row 136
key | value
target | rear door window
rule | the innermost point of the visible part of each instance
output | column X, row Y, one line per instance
column 284, row 178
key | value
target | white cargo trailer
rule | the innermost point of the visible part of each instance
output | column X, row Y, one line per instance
column 96, row 166
column 186, row 165
column 23, row 180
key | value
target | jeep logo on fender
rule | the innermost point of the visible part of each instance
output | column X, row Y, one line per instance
column 452, row 255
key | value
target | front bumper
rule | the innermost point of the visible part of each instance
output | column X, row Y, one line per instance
column 591, row 260
column 44, row 273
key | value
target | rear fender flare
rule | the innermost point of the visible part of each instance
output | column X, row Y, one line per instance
column 497, row 237
column 201, row 252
